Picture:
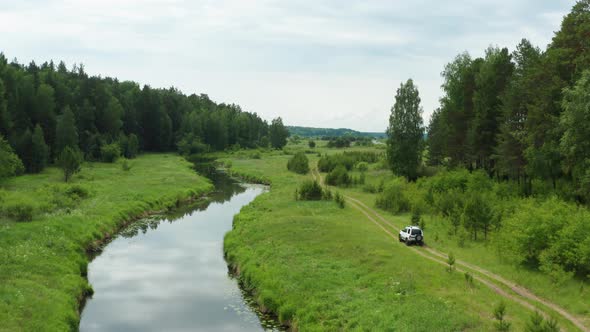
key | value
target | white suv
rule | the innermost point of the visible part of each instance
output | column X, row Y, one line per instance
column 411, row 234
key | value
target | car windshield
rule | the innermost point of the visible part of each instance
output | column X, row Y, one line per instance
column 416, row 232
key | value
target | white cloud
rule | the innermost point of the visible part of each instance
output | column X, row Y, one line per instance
column 324, row 62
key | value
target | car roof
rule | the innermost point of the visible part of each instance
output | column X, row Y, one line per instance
column 413, row 227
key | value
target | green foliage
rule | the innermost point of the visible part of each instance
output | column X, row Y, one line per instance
column 70, row 161
column 67, row 133
column 405, row 132
column 348, row 159
column 298, row 163
column 551, row 234
column 394, row 197
column 499, row 313
column 39, row 151
column 575, row 142
column 339, row 199
column 20, row 210
column 339, row 177
column 278, row 134
column 538, row 324
column 109, row 153
column 451, row 262
column 311, row 144
column 125, row 165
column 10, row 164
column 191, row 145
column 310, row 191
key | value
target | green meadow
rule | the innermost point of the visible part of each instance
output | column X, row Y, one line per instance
column 319, row 267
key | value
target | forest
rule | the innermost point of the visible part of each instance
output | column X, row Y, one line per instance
column 48, row 108
column 523, row 115
column 506, row 160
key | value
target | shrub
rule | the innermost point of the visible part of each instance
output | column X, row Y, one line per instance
column 338, row 177
column 394, row 197
column 110, row 153
column 339, row 199
column 310, row 191
column 125, row 165
column 18, row 210
column 256, row 155
column 298, row 163
column 362, row 166
column 70, row 161
column 77, row 191
column 499, row 313
column 311, row 144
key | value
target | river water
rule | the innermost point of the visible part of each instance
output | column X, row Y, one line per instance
column 167, row 273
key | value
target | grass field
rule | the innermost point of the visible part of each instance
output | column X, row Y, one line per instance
column 43, row 262
column 320, row 267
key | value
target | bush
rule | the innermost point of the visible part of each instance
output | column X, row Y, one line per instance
column 298, row 163
column 339, row 199
column 110, row 153
column 310, row 191
column 125, row 165
column 18, row 210
column 70, row 161
column 394, row 197
column 362, row 166
column 311, row 144
column 338, row 177
column 77, row 191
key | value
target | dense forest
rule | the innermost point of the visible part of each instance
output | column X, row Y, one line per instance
column 521, row 115
column 45, row 109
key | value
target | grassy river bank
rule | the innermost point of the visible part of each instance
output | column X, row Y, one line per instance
column 43, row 262
column 319, row 267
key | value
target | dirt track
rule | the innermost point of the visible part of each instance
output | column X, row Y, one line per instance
column 520, row 294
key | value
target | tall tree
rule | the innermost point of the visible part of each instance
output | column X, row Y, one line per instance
column 405, row 132
column 575, row 143
column 491, row 81
column 278, row 133
column 66, row 132
column 509, row 153
column 39, row 151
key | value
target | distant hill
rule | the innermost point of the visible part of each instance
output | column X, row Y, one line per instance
column 315, row 132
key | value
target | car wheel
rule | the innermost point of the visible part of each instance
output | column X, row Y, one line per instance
column 408, row 243
column 400, row 238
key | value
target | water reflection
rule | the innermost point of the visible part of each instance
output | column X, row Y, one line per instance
column 175, row 278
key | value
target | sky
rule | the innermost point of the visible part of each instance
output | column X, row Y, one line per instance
column 319, row 63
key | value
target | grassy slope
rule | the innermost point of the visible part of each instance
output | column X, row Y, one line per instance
column 42, row 263
column 331, row 269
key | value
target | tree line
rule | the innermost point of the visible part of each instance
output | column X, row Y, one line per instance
column 520, row 115
column 46, row 108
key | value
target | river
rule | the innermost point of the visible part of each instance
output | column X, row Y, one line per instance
column 168, row 273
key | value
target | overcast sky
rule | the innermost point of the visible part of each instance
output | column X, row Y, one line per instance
column 322, row 63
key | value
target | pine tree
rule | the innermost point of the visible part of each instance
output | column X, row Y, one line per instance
column 39, row 151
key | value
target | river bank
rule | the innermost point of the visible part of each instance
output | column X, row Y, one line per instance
column 44, row 262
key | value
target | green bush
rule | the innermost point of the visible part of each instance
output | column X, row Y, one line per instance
column 125, row 165
column 339, row 177
column 339, row 199
column 394, row 197
column 110, row 153
column 20, row 210
column 298, row 163
column 310, row 191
